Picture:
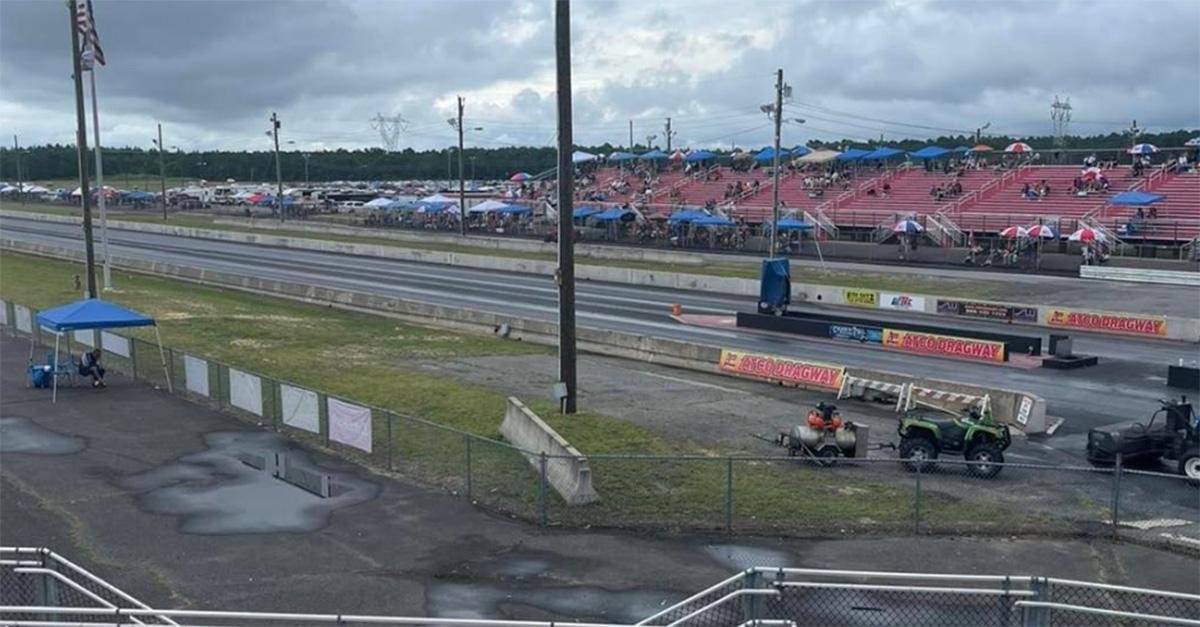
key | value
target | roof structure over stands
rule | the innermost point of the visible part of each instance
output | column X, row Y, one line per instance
column 768, row 154
column 879, row 154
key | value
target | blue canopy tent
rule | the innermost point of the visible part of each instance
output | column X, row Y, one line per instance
column 961, row 150
column 768, row 154
column 654, row 155
column 687, row 215
column 582, row 212
column 515, row 209
column 699, row 155
column 1135, row 197
column 929, row 152
column 140, row 196
column 879, row 154
column 88, row 314
column 616, row 213
column 402, row 205
column 792, row 224
column 712, row 221
column 800, row 151
column 622, row 156
column 853, row 154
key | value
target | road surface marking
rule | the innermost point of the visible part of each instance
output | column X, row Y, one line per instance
column 690, row 382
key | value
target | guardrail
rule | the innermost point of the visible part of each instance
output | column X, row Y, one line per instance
column 1140, row 275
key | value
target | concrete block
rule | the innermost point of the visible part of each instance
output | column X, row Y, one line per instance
column 567, row 470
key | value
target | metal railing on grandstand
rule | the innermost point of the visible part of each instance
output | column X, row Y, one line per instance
column 35, row 582
column 779, row 495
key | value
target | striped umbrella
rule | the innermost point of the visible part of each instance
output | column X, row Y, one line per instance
column 1143, row 149
column 1014, row 232
column 1018, row 148
column 520, row 176
column 1086, row 235
column 907, row 226
column 1043, row 231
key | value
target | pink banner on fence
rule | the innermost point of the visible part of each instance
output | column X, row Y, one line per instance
column 349, row 424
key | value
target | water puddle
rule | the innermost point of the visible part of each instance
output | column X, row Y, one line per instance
column 463, row 600
column 22, row 435
column 213, row 492
column 740, row 557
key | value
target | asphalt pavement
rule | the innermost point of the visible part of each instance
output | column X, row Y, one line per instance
column 142, row 487
column 1127, row 384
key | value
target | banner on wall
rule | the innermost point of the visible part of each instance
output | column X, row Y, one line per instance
column 782, row 369
column 3, row 312
column 943, row 345
column 24, row 318
column 300, row 408
column 349, row 424
column 195, row 371
column 245, row 391
column 1106, row 322
column 856, row 333
column 902, row 302
column 114, row 343
column 987, row 311
column 87, row 337
column 861, row 298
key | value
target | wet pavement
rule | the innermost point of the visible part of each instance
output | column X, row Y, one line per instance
column 150, row 491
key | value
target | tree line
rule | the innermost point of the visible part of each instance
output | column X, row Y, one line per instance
column 56, row 161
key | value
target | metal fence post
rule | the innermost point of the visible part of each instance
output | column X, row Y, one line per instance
column 133, row 358
column 729, row 494
column 917, row 502
column 390, row 417
column 542, row 491
column 467, row 442
column 1037, row 616
column 220, row 393
column 170, row 368
column 1116, row 493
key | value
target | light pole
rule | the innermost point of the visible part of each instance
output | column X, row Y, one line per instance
column 162, row 170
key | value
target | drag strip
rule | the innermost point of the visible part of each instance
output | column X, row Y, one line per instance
column 1121, row 388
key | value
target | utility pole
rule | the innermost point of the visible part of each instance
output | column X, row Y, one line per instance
column 100, row 200
column 772, row 249
column 17, row 156
column 631, row 136
column 462, row 192
column 162, row 172
column 566, row 196
column 81, row 149
column 278, row 166
column 979, row 133
column 670, row 134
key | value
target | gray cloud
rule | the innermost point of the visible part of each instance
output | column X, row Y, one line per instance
column 213, row 70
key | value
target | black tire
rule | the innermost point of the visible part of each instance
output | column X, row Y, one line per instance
column 826, row 455
column 919, row 453
column 1189, row 466
column 985, row 459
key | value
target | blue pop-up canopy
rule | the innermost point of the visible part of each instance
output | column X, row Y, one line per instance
column 92, row 313
column 621, row 156
column 1135, row 197
column 712, row 221
column 654, row 155
column 929, row 152
column 616, row 213
column 880, row 154
column 699, row 155
column 800, row 151
column 688, row 215
column 853, row 154
column 768, row 154
column 787, row 224
column 583, row 212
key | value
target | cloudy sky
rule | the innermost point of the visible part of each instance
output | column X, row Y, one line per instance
column 212, row 71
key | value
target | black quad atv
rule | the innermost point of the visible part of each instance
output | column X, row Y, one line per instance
column 981, row 440
column 1171, row 434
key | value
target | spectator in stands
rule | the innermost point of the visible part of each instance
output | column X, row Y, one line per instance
column 956, row 188
column 887, row 189
column 1089, row 160
column 1137, row 167
column 1026, row 189
column 872, row 192
column 755, row 186
column 1153, row 213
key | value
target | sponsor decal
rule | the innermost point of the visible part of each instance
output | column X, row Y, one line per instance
column 1111, row 323
column 943, row 345
column 987, row 311
column 856, row 333
column 1025, row 409
column 906, row 302
column 861, row 298
column 782, row 369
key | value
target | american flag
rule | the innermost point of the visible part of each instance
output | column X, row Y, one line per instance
column 86, row 23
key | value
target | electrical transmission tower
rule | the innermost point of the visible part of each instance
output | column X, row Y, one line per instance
column 1060, row 114
column 389, row 129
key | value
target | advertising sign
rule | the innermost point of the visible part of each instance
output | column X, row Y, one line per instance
column 1106, row 322
column 861, row 298
column 904, row 302
column 943, row 345
column 872, row 335
column 781, row 369
column 987, row 311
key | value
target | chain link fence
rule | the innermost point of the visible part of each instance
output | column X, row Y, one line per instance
column 772, row 495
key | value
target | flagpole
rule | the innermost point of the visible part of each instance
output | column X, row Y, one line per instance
column 81, row 149
column 102, row 202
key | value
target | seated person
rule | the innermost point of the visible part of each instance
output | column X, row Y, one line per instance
column 887, row 189
column 871, row 192
column 89, row 366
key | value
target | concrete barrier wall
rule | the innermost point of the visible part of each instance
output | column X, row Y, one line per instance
column 1141, row 275
column 1186, row 329
column 567, row 470
column 699, row 357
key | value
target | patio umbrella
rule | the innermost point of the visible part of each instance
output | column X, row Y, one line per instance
column 1042, row 231
column 520, row 176
column 1086, row 235
column 982, row 148
column 1018, row 148
column 1192, row 143
column 1143, row 149
column 1092, row 173
column 1014, row 232
column 907, row 226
